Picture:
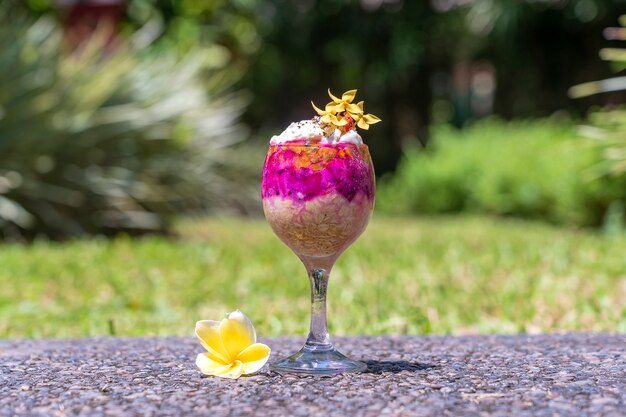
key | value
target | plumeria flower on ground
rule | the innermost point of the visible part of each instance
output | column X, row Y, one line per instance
column 231, row 347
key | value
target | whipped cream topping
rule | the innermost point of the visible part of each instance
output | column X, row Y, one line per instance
column 310, row 130
column 351, row 137
column 305, row 129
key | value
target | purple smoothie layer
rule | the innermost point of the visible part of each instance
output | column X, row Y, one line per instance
column 302, row 172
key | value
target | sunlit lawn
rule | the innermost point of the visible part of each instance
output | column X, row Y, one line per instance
column 429, row 275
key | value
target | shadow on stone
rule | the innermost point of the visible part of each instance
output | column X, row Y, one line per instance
column 378, row 367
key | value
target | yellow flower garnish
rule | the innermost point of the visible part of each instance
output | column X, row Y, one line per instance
column 329, row 116
column 231, row 347
column 366, row 120
column 345, row 102
column 335, row 111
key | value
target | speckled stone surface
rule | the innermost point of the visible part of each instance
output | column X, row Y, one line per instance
column 547, row 375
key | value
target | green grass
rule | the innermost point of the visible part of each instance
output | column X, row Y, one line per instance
column 429, row 275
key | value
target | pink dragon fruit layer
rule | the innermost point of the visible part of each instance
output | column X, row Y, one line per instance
column 302, row 172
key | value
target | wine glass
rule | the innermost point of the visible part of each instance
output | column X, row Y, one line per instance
column 318, row 199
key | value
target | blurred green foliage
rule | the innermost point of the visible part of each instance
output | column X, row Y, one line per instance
column 104, row 139
column 608, row 129
column 402, row 55
column 158, row 116
column 608, row 125
column 533, row 169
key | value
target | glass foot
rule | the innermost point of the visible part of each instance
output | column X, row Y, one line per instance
column 317, row 361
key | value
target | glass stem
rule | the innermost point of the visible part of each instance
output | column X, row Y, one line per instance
column 318, row 334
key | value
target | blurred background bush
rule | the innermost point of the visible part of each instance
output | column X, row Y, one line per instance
column 536, row 169
column 115, row 115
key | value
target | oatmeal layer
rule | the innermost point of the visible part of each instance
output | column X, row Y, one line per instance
column 321, row 226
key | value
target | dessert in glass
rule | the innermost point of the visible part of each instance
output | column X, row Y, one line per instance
column 318, row 194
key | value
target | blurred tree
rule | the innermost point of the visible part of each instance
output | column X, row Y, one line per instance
column 185, row 25
column 539, row 49
column 83, row 18
column 291, row 52
column 381, row 48
column 101, row 142
column 403, row 55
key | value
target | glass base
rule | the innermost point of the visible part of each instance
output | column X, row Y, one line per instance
column 315, row 360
